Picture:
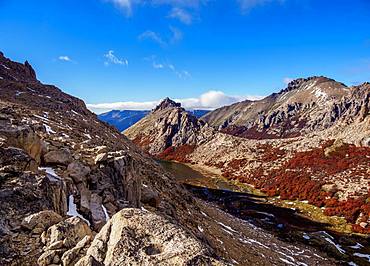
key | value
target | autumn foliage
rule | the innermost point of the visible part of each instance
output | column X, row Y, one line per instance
column 294, row 179
column 177, row 153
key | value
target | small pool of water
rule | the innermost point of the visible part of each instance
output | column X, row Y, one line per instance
column 286, row 223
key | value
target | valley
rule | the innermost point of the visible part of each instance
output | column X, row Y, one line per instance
column 287, row 220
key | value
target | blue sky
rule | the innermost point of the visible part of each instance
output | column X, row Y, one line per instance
column 206, row 53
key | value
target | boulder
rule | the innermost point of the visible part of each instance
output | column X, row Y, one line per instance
column 78, row 171
column 97, row 212
column 16, row 160
column 60, row 156
column 88, row 261
column 71, row 256
column 137, row 237
column 70, row 231
column 25, row 138
column 150, row 197
column 50, row 257
column 42, row 219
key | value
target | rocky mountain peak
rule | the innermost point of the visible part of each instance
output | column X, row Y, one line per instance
column 300, row 82
column 167, row 103
column 14, row 71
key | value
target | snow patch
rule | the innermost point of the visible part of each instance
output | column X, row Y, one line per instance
column 228, row 228
column 357, row 246
column 200, row 229
column 307, row 237
column 72, row 209
column 4, row 66
column 50, row 173
column 320, row 94
column 41, row 117
column 360, row 255
column 48, row 129
column 73, row 111
column 105, row 213
column 337, row 246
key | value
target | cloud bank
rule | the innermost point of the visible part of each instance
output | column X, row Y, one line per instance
column 209, row 100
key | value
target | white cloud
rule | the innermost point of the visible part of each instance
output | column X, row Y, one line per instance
column 151, row 35
column 287, row 80
column 247, row 5
column 182, row 74
column 64, row 58
column 112, row 59
column 182, row 15
column 180, row 3
column 175, row 36
column 209, row 100
column 124, row 5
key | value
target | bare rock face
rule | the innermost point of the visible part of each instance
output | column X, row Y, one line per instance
column 305, row 106
column 168, row 125
column 60, row 156
column 78, row 171
column 16, row 160
column 23, row 137
column 42, row 219
column 64, row 241
column 70, row 231
column 136, row 237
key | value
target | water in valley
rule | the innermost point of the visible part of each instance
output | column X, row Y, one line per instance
column 285, row 223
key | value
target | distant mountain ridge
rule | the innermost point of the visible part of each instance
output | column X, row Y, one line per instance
column 306, row 105
column 309, row 142
column 123, row 119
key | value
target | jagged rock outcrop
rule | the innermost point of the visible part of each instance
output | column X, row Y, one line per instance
column 56, row 156
column 168, row 125
column 63, row 240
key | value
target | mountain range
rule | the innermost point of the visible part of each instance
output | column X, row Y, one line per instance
column 309, row 142
column 123, row 119
column 74, row 190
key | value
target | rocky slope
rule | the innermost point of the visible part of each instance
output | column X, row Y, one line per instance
column 72, row 189
column 57, row 160
column 327, row 163
column 168, row 125
column 305, row 106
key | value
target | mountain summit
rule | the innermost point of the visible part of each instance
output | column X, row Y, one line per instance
column 306, row 105
column 168, row 125
column 166, row 103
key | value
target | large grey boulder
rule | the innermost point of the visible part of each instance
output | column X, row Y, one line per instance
column 138, row 237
